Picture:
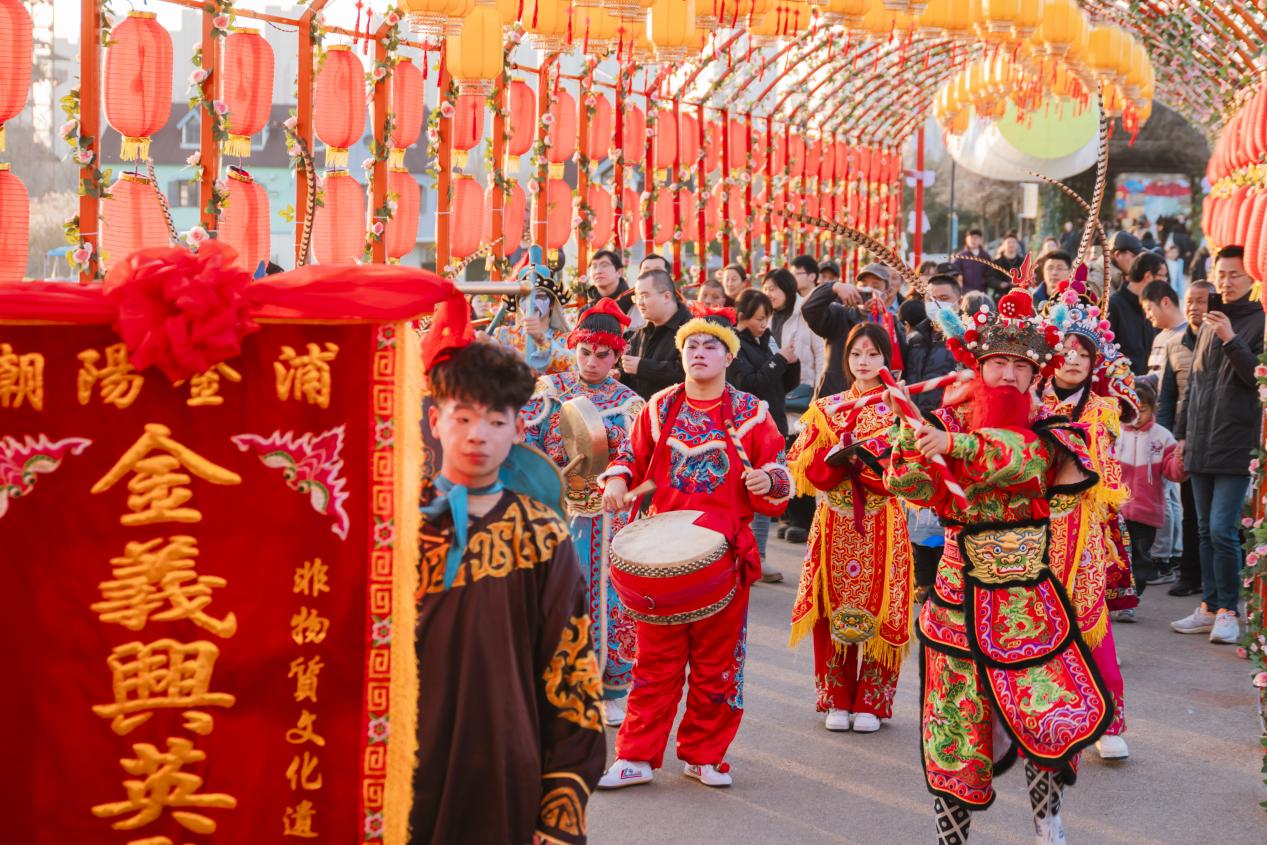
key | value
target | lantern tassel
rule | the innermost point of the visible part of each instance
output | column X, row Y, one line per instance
column 1, row 137
column 238, row 146
column 337, row 158
column 134, row 149
column 396, row 158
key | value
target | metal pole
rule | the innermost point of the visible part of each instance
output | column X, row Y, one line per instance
column 917, row 239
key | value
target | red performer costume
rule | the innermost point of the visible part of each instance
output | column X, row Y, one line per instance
column 681, row 444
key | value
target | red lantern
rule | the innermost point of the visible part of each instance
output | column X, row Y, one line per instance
column 402, row 230
column 1256, row 238
column 737, row 213
column 689, row 209
column 133, row 219
column 778, row 152
column 796, row 155
column 687, row 141
column 468, row 126
column 339, row 230
column 827, row 170
column 712, row 156
column 562, row 130
column 1209, row 206
column 138, row 82
column 665, row 139
column 810, row 205
column 244, row 223
column 339, row 118
column 522, row 121
column 558, row 213
column 514, row 219
column 737, row 131
column 15, row 226
column 1244, row 215
column 842, row 160
column 406, row 104
column 467, row 221
column 246, row 87
column 712, row 216
column 630, row 230
column 634, row 136
column 663, row 217
column 15, row 66
column 598, row 139
column 1258, row 124
column 604, row 211
column 760, row 150
column 813, row 158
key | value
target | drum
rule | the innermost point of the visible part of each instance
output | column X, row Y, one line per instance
column 669, row 570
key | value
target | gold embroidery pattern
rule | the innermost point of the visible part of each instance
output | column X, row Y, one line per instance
column 527, row 533
column 1006, row 555
column 561, row 810
column 572, row 682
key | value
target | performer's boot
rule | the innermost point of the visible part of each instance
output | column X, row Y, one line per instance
column 953, row 820
column 1044, row 799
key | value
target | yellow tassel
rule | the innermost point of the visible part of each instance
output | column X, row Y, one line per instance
column 402, row 742
column 811, row 419
column 1, row 137
column 135, row 149
column 556, row 170
column 396, row 158
column 1096, row 633
column 885, row 653
column 337, row 158
column 238, row 146
column 459, row 159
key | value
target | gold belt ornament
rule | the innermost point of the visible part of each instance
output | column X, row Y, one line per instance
column 1006, row 555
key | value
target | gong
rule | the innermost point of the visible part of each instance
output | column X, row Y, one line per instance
column 584, row 437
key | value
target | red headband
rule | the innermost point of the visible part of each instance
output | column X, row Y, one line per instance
column 581, row 334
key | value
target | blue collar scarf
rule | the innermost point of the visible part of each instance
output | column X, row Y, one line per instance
column 454, row 498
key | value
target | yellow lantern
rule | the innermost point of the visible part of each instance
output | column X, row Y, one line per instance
column 1027, row 19
column 999, row 17
column 1102, row 53
column 959, row 20
column 880, row 21
column 597, row 30
column 474, row 55
column 1114, row 102
column 787, row 19
column 844, row 12
column 641, row 49
column 508, row 11
column 633, row 11
column 437, row 18
column 670, row 27
column 1136, row 69
column 906, row 7
column 959, row 122
column 935, row 19
column 547, row 24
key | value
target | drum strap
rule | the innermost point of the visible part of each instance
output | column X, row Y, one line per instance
column 660, row 452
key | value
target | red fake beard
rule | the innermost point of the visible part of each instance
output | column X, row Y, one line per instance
column 998, row 407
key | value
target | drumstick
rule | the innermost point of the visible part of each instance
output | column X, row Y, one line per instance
column 573, row 464
column 734, row 438
column 914, row 389
column 912, row 416
column 646, row 488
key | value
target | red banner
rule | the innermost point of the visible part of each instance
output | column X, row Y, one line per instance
column 198, row 610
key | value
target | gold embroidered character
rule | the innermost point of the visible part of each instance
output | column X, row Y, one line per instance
column 21, row 378
column 164, row 786
column 150, row 575
column 305, row 730
column 307, row 376
column 312, row 578
column 120, row 382
column 305, row 673
column 157, row 490
column 204, row 388
column 297, row 820
column 164, row 674
column 307, row 626
column 303, row 773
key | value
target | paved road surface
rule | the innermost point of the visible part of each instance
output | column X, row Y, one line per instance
column 1192, row 777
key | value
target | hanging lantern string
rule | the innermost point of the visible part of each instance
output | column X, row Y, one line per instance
column 162, row 202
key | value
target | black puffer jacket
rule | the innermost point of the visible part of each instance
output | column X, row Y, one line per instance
column 830, row 320
column 1131, row 328
column 759, row 370
column 661, row 363
column 927, row 357
column 1220, row 416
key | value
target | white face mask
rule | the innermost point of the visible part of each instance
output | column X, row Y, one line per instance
column 932, row 308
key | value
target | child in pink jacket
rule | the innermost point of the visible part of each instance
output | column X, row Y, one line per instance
column 1147, row 453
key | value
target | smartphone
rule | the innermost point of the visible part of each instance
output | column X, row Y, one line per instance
column 1216, row 302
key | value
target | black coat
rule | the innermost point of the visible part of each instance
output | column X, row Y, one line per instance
column 1220, row 418
column 1000, row 283
column 759, row 370
column 661, row 364
column 927, row 357
column 1131, row 328
column 623, row 298
column 830, row 320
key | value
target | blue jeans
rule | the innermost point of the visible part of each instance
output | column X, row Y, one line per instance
column 761, row 531
column 1219, row 501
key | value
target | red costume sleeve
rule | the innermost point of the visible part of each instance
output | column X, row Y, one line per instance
column 764, row 446
column 632, row 460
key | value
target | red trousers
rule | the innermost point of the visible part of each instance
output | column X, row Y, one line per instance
column 847, row 680
column 1105, row 657
column 715, row 649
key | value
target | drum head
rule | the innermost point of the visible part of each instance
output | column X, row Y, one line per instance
column 584, row 435
column 666, row 539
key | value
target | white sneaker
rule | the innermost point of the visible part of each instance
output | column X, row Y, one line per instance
column 837, row 720
column 707, row 775
column 1126, row 614
column 626, row 773
column 1227, row 628
column 1049, row 831
column 865, row 723
column 1199, row 621
column 614, row 712
column 1112, row 747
